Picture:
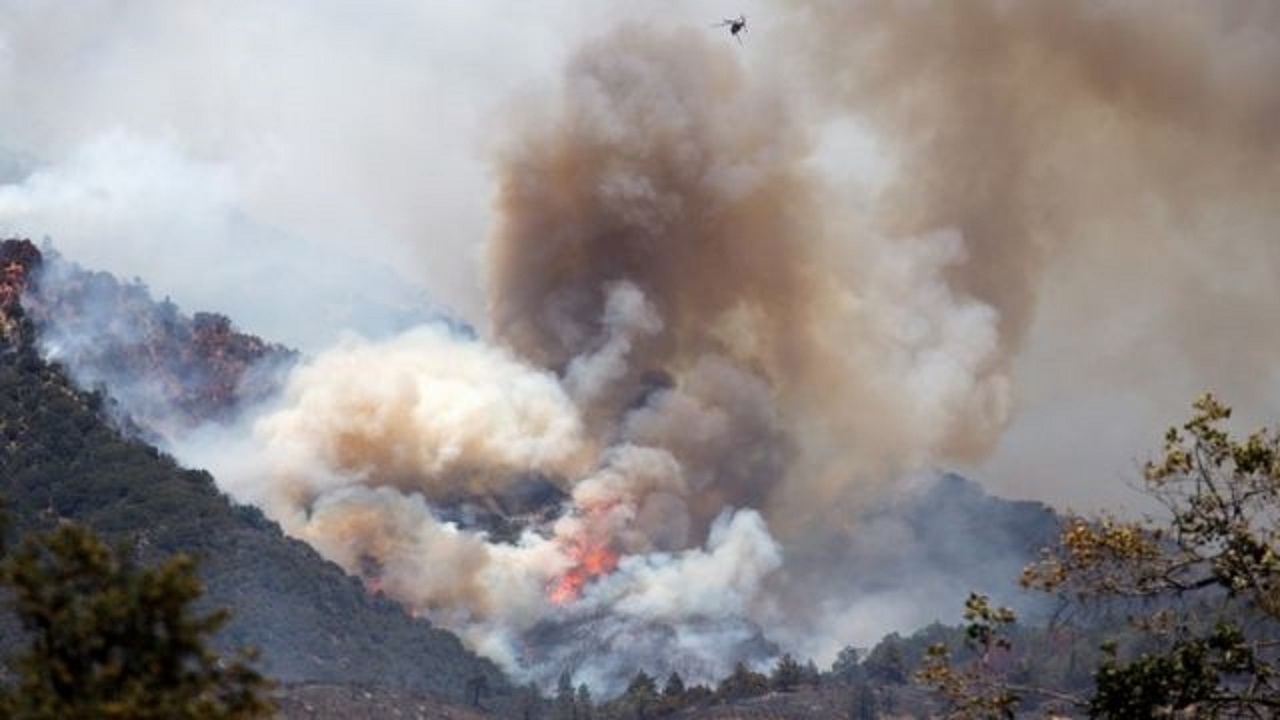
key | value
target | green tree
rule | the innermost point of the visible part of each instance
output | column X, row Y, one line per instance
column 786, row 674
column 477, row 689
column 566, row 702
column 529, row 701
column 846, row 668
column 809, row 674
column 1210, row 568
column 112, row 639
column 586, row 707
column 862, row 701
column 1200, row 584
column 641, row 695
column 976, row 689
column 674, row 688
column 742, row 683
column 886, row 663
column 697, row 695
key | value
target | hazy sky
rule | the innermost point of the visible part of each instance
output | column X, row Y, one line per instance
column 286, row 161
column 150, row 138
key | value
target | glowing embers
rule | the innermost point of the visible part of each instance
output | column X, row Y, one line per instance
column 589, row 561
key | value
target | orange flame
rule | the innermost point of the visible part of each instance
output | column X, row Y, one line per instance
column 590, row 561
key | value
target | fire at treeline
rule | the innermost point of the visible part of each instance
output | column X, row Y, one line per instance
column 703, row 424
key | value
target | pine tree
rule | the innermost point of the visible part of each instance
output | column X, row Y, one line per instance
column 586, row 708
column 886, row 662
column 641, row 694
column 809, row 674
column 110, row 639
column 846, row 669
column 742, row 683
column 786, row 674
column 862, row 702
column 566, row 703
column 529, row 701
column 674, row 688
column 477, row 689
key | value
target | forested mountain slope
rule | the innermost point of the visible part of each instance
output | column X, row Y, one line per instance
column 60, row 459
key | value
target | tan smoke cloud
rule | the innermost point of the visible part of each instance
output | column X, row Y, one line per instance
column 388, row 537
column 424, row 412
column 1140, row 136
column 691, row 321
column 720, row 423
column 371, row 439
column 664, row 167
column 1112, row 170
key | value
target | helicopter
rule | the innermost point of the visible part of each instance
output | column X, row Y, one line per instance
column 736, row 26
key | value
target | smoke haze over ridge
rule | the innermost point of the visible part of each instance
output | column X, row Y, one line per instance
column 716, row 342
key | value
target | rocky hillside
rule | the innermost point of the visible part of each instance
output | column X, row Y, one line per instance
column 60, row 459
column 170, row 371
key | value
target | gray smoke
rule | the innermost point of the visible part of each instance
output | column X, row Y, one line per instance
column 669, row 303
column 732, row 356
column 1111, row 168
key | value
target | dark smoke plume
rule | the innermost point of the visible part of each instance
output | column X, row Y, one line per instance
column 666, row 167
column 730, row 367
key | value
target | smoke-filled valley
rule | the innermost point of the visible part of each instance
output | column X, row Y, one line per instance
column 743, row 307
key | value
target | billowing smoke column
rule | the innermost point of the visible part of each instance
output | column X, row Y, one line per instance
column 695, row 362
column 1119, row 158
column 667, row 168
column 704, row 363
column 377, row 451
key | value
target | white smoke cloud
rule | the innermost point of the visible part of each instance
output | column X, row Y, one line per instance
column 693, row 309
column 342, row 143
column 705, row 372
column 148, row 207
column 934, row 352
column 628, row 317
column 131, row 193
column 311, row 152
column 691, row 611
column 423, row 407
column 371, row 440
column 723, row 579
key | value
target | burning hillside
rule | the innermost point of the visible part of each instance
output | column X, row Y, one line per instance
column 713, row 369
column 18, row 261
column 169, row 372
column 664, row 298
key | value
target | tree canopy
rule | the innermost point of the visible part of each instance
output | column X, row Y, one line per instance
column 1198, row 583
column 112, row 639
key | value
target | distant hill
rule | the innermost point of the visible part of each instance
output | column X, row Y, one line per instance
column 60, row 459
column 960, row 531
column 168, row 371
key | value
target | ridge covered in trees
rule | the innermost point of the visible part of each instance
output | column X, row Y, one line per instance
column 61, row 460
column 109, row 638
